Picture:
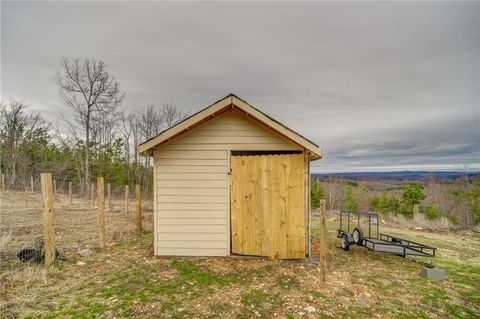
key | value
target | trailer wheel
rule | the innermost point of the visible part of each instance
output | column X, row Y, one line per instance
column 358, row 236
column 345, row 243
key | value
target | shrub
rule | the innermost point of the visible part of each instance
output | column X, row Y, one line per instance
column 431, row 212
column 380, row 204
column 413, row 193
column 384, row 205
column 475, row 201
column 394, row 205
column 471, row 196
column 350, row 201
column 453, row 218
column 317, row 192
column 406, row 210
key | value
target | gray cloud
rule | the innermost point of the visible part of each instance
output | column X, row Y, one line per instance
column 376, row 85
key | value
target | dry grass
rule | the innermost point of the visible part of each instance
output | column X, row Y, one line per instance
column 76, row 226
column 419, row 220
column 5, row 239
column 125, row 281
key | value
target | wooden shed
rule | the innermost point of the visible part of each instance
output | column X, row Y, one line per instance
column 231, row 180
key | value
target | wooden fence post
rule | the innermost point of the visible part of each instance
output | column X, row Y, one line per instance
column 101, row 210
column 415, row 210
column 54, row 186
column 138, row 221
column 48, row 218
column 92, row 194
column 323, row 241
column 70, row 193
column 3, row 182
column 31, row 183
column 126, row 200
column 109, row 194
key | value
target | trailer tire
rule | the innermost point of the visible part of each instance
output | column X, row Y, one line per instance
column 358, row 236
column 345, row 243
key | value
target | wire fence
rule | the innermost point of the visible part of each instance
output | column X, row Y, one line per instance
column 76, row 217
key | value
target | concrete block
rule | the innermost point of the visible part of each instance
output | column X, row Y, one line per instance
column 434, row 273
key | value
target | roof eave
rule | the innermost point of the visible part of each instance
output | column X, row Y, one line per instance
column 146, row 148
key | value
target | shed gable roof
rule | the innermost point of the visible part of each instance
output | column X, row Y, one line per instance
column 229, row 102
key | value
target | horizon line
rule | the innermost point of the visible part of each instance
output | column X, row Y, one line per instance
column 469, row 171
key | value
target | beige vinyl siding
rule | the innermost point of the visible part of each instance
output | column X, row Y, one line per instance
column 192, row 183
column 230, row 103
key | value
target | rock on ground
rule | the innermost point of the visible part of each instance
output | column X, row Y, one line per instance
column 87, row 252
column 310, row 309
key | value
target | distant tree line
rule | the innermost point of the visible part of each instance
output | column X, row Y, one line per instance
column 457, row 200
column 95, row 137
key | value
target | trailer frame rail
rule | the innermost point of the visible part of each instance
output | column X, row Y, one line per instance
column 381, row 243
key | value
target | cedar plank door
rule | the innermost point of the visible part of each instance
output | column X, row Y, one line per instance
column 268, row 206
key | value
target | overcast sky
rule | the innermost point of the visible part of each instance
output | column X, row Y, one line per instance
column 379, row 86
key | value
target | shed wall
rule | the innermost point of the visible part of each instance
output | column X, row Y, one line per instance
column 192, row 184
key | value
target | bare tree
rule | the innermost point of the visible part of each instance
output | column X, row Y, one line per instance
column 105, row 128
column 172, row 115
column 139, row 126
column 126, row 131
column 17, row 126
column 150, row 121
column 89, row 90
column 333, row 190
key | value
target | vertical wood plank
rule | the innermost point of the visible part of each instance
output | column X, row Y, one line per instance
column 31, row 184
column 254, row 242
column 3, row 182
column 283, row 170
column 125, row 209
column 242, row 214
column 323, row 241
column 301, row 206
column 242, row 200
column 290, row 194
column 291, row 207
column 258, row 207
column 296, row 203
column 138, row 197
column 109, row 195
column 101, row 210
column 48, row 218
column 233, row 203
column 276, row 216
column 248, row 240
column 264, row 208
column 249, row 222
column 273, row 205
column 54, row 186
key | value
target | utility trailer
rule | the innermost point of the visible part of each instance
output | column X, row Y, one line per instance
column 351, row 232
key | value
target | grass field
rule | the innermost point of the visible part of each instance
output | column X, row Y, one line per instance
column 125, row 280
